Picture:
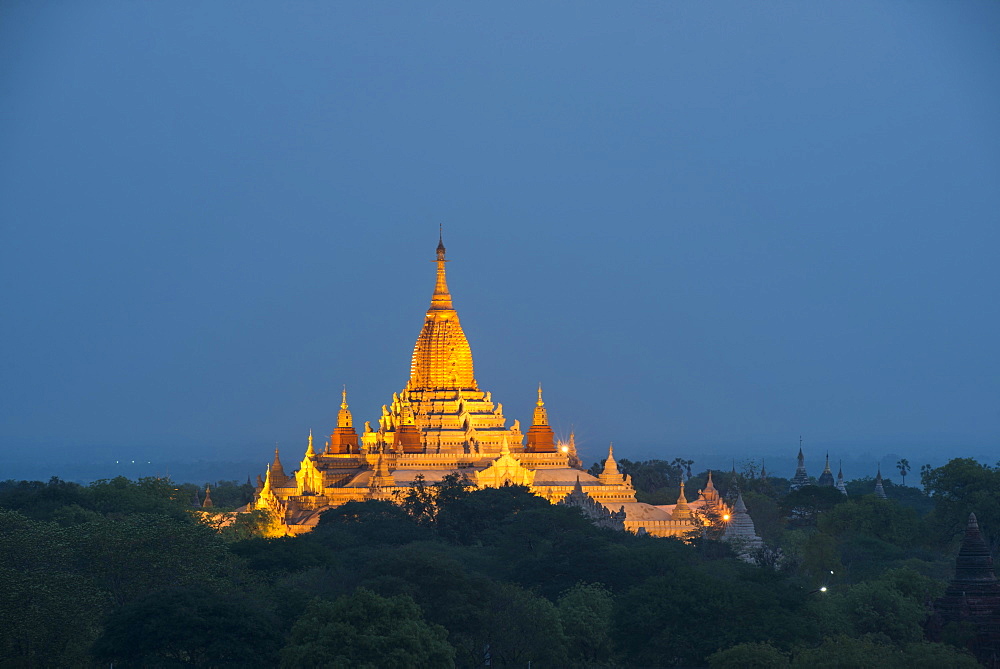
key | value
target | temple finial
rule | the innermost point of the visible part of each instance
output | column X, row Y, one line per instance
column 540, row 402
column 440, row 246
column 343, row 395
column 276, row 468
column 441, row 300
column 681, row 510
column 611, row 475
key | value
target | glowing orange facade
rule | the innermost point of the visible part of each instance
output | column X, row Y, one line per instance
column 441, row 423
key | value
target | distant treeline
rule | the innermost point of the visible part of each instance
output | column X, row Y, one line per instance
column 191, row 472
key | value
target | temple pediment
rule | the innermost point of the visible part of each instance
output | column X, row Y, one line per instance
column 505, row 470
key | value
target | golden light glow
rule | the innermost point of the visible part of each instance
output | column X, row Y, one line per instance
column 725, row 517
column 442, row 422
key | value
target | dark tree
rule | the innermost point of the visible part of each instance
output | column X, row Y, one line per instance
column 803, row 506
column 366, row 630
column 903, row 465
column 190, row 627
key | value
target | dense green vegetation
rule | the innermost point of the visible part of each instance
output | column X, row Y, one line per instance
column 128, row 573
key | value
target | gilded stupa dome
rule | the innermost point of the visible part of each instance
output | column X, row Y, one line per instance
column 442, row 358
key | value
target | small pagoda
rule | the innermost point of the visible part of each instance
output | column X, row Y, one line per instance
column 973, row 598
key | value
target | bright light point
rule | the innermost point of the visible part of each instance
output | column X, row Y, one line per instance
column 823, row 589
column 725, row 517
column 565, row 449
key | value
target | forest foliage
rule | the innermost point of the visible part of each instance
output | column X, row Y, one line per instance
column 130, row 573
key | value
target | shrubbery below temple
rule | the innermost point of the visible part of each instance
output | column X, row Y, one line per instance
column 127, row 572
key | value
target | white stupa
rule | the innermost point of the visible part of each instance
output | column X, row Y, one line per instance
column 741, row 530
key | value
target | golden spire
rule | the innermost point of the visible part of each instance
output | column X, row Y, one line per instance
column 309, row 451
column 611, row 475
column 710, row 494
column 344, row 418
column 267, row 480
column 681, row 510
column 442, row 298
column 540, row 416
column 344, row 439
column 540, row 436
column 442, row 358
column 276, row 469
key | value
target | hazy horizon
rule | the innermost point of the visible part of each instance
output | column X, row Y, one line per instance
column 203, row 470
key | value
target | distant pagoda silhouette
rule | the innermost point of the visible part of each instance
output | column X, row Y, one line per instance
column 801, row 478
column 972, row 597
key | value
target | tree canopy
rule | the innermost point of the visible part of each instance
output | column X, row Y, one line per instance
column 130, row 572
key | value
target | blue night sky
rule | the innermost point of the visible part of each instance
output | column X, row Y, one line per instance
column 706, row 228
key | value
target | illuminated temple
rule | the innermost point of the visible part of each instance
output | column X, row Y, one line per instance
column 443, row 423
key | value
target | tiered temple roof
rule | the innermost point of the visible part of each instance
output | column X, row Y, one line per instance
column 741, row 530
column 801, row 478
column 826, row 478
column 879, row 490
column 443, row 423
column 973, row 596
